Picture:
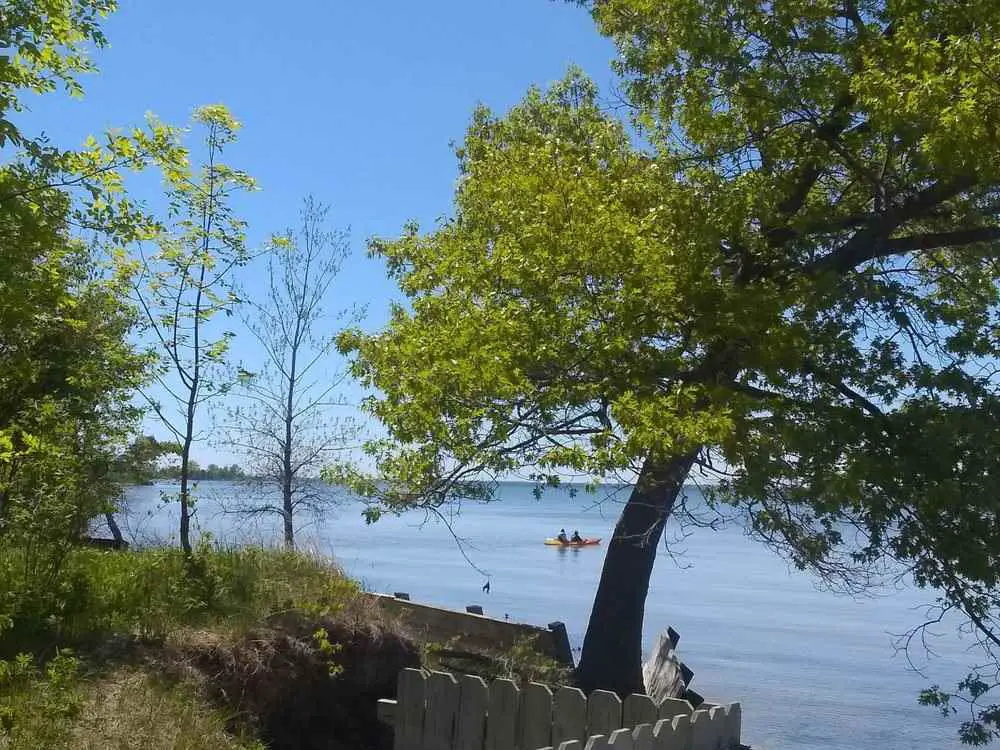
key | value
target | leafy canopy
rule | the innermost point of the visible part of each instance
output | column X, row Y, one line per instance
column 793, row 273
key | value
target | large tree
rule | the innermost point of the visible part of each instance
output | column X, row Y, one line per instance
column 790, row 277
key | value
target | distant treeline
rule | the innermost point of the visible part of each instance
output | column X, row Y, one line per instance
column 199, row 473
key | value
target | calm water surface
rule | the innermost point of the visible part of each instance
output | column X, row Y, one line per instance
column 814, row 671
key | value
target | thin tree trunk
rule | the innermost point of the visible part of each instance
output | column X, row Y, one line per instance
column 612, row 648
column 184, row 498
column 287, row 474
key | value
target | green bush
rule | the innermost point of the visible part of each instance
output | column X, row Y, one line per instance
column 38, row 705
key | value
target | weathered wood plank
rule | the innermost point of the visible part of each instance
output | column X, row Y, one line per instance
column 642, row 737
column 661, row 674
column 441, row 711
column 570, row 716
column 501, row 716
column 639, row 709
column 604, row 713
column 536, row 716
column 473, row 699
column 411, row 687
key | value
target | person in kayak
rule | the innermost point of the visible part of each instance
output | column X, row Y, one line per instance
column 562, row 536
column 576, row 538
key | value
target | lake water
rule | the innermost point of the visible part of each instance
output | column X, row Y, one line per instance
column 813, row 670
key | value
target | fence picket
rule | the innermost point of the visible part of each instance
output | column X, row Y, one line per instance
column 720, row 726
column 409, row 720
column 671, row 707
column 620, row 739
column 734, row 721
column 639, row 709
column 702, row 731
column 672, row 734
column 436, row 711
column 441, row 711
column 642, row 737
column 536, row 716
column 501, row 722
column 604, row 712
column 570, row 716
column 471, row 727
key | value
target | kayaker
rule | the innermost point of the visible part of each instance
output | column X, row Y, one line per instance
column 562, row 536
column 576, row 539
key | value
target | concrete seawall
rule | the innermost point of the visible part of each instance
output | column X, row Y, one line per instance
column 475, row 631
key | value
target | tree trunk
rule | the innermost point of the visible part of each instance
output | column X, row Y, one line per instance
column 116, row 533
column 612, row 648
column 185, row 517
column 287, row 472
column 186, row 493
column 287, row 517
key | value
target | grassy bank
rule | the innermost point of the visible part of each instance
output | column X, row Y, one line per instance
column 235, row 648
column 105, row 649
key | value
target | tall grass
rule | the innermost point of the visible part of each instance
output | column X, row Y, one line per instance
column 48, row 695
column 150, row 593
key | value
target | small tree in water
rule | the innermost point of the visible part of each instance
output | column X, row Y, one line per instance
column 792, row 283
column 283, row 424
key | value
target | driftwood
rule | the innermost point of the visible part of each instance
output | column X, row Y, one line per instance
column 664, row 675
column 101, row 543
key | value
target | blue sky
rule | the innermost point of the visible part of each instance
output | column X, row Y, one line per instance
column 354, row 102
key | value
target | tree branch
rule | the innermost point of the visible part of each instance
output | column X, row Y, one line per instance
column 872, row 241
column 933, row 241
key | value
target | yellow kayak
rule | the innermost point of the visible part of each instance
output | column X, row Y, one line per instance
column 553, row 542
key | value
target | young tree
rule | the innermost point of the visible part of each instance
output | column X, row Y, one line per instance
column 185, row 283
column 283, row 425
column 793, row 281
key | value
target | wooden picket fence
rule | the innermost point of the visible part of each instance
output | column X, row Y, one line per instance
column 438, row 711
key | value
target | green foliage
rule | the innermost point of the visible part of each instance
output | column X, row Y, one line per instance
column 186, row 282
column 329, row 651
column 983, row 724
column 47, row 45
column 525, row 664
column 115, row 597
column 792, row 275
column 67, row 367
column 50, row 43
column 522, row 662
column 67, row 376
column 37, row 705
column 138, row 463
column 197, row 472
column 152, row 593
column 61, row 708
